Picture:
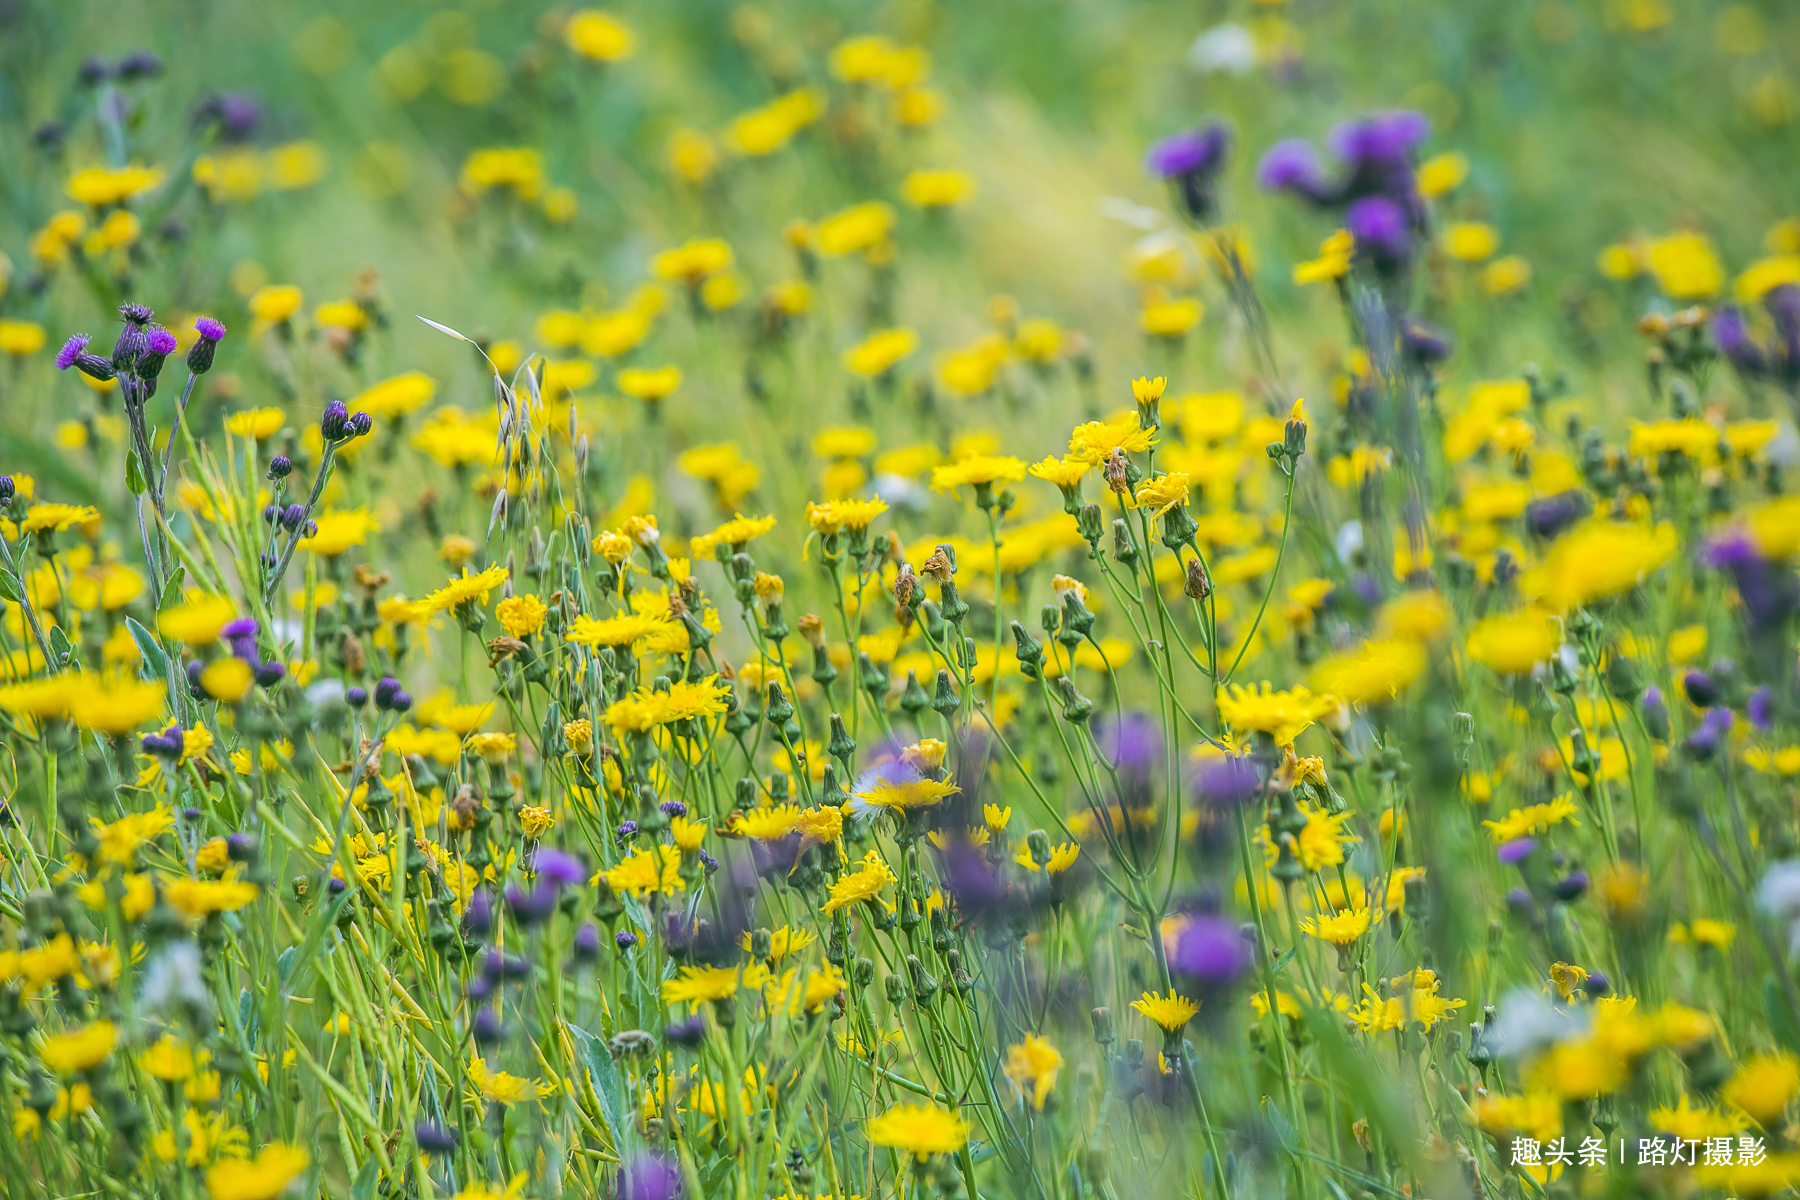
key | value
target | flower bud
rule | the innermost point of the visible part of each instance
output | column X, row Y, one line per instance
column 200, row 354
column 334, row 425
column 280, row 467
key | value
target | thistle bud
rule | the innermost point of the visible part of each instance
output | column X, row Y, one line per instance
column 1104, row 1033
column 334, row 425
column 200, row 354
column 280, row 467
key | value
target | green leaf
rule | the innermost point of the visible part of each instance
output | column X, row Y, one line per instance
column 285, row 964
column 134, row 475
column 10, row 589
column 364, row 1187
column 59, row 646
column 172, row 590
column 609, row 1088
column 156, row 663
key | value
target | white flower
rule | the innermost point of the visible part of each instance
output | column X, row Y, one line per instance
column 1226, row 48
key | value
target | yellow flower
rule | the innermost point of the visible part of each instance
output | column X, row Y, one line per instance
column 696, row 984
column 1515, row 643
column 1685, row 266
column 1032, row 1066
column 854, row 229
column 101, row 186
column 981, row 469
column 1320, row 842
column 501, row 1088
column 1440, row 175
column 1340, row 929
column 1535, row 818
column 821, row 986
column 921, row 1129
column 1172, row 1012
column 276, row 303
column 1172, row 318
column 877, row 354
column 649, row 385
column 1374, row 674
column 196, row 898
column 620, row 630
column 735, row 533
column 598, row 35
column 907, row 794
column 937, row 189
column 1470, row 241
column 114, row 706
column 397, row 396
column 168, row 1059
column 1764, row 1086
column 521, row 616
column 1166, row 491
column 865, row 883
column 835, row 515
column 20, row 338
column 227, row 679
column 198, row 621
column 647, row 871
column 82, row 1050
column 1281, row 715
column 1094, row 441
column 258, row 423
column 693, row 261
column 468, row 589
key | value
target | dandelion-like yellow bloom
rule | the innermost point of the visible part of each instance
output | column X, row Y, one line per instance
column 921, row 1129
column 878, row 353
column 1515, row 643
column 198, row 898
column 865, row 883
column 835, row 515
column 1282, row 715
column 500, row 1088
column 1172, row 1012
column 1032, row 1066
column 80, row 1050
column 907, row 794
column 979, row 469
column 1535, row 818
column 654, row 870
column 1374, row 673
column 596, row 34
column 1340, row 929
column 521, row 616
column 467, row 589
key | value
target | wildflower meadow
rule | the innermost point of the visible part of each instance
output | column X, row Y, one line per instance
column 819, row 601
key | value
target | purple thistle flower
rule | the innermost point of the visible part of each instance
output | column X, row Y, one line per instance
column 1228, row 781
column 1186, row 153
column 674, row 808
column 1551, row 515
column 1192, row 161
column 200, row 354
column 1761, row 708
column 1703, row 743
column 1770, row 591
column 487, row 1027
column 434, row 1138
column 1516, row 850
column 1572, row 886
column 1731, row 336
column 1292, row 166
column 334, row 425
column 386, row 688
column 72, row 350
column 1211, row 951
column 1385, row 139
column 625, row 939
column 586, row 947
column 269, row 674
column 161, row 341
column 1381, row 227
column 650, row 1177
column 558, row 867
